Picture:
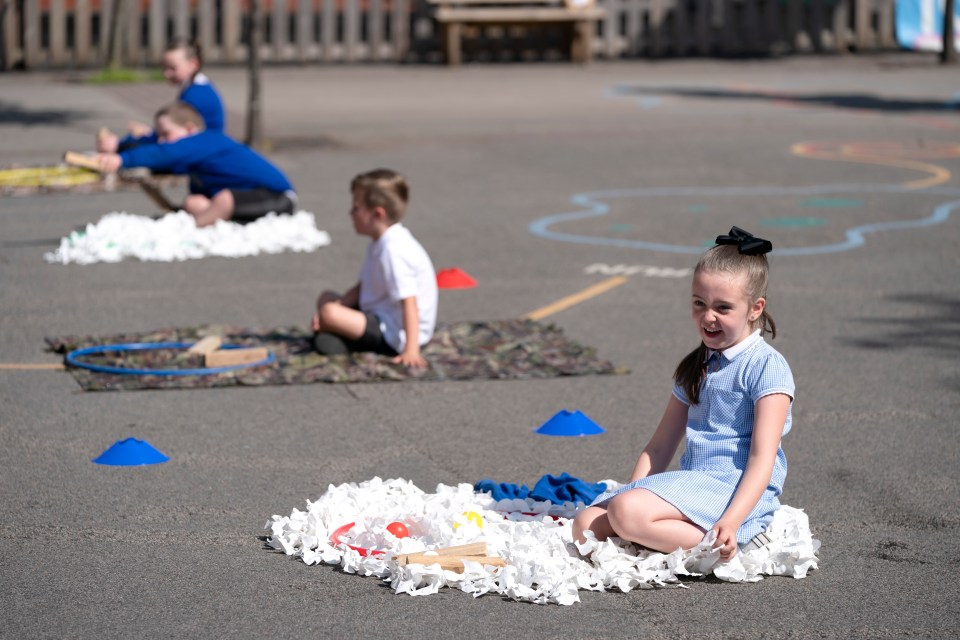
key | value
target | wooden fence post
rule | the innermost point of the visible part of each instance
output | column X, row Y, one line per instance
column 230, row 29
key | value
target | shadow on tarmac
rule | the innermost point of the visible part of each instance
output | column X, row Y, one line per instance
column 13, row 113
column 936, row 327
column 839, row 100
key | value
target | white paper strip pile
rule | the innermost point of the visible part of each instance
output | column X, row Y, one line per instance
column 544, row 565
column 175, row 237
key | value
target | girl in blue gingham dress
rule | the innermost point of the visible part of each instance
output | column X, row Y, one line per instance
column 732, row 401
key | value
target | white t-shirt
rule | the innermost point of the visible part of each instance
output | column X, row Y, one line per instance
column 396, row 267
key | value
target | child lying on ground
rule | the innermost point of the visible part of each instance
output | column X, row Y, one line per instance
column 228, row 180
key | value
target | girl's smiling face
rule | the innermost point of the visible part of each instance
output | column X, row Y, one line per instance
column 178, row 67
column 722, row 309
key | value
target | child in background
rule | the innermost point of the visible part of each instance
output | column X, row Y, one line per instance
column 732, row 398
column 393, row 309
column 181, row 66
column 228, row 180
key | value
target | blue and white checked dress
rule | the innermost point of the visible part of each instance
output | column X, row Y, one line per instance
column 719, row 432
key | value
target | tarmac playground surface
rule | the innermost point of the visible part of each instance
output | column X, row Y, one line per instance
column 541, row 181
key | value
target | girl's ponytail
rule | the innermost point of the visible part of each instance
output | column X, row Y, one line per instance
column 691, row 372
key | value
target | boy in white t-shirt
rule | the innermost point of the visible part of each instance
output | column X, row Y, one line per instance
column 393, row 309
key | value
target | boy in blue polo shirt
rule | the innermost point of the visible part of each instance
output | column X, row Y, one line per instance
column 228, row 180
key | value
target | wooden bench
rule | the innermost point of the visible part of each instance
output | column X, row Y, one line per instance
column 581, row 16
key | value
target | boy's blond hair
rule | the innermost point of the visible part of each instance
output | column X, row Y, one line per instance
column 181, row 114
column 383, row 188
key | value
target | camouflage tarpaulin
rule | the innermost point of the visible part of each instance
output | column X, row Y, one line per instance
column 502, row 349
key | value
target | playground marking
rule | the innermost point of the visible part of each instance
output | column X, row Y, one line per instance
column 571, row 300
column 596, row 204
column 845, row 153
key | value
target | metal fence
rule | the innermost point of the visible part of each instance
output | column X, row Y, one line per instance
column 58, row 34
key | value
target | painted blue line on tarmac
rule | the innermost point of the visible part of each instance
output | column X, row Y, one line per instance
column 593, row 206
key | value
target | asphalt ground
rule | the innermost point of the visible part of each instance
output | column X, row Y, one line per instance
column 682, row 150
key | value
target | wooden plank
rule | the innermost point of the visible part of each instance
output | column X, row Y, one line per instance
column 156, row 32
column 328, row 31
column 862, row 24
column 32, row 55
column 375, row 30
column 351, row 30
column 206, row 345
column 230, row 357
column 230, row 17
column 279, row 30
column 10, row 23
column 657, row 13
column 515, row 15
column 181, row 19
column 205, row 32
column 103, row 32
column 133, row 53
column 304, row 29
column 453, row 563
column 75, row 159
column 57, row 25
column 886, row 32
column 401, row 29
column 840, row 28
column 633, row 34
column 82, row 29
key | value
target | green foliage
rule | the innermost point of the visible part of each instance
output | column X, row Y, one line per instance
column 122, row 75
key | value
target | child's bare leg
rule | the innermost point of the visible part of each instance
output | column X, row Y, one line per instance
column 207, row 211
column 335, row 317
column 643, row 517
column 592, row 519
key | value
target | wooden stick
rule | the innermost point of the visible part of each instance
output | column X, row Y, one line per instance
column 228, row 357
column 472, row 549
column 475, row 549
column 451, row 563
column 205, row 346
column 80, row 160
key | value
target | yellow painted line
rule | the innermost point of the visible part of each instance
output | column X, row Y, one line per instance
column 939, row 175
column 577, row 298
column 46, row 366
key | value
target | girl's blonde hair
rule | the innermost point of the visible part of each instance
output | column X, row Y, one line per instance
column 726, row 259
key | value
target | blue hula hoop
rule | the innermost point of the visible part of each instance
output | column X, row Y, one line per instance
column 151, row 346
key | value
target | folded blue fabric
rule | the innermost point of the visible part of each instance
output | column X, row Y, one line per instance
column 555, row 489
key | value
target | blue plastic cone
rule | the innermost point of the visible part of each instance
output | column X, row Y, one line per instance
column 569, row 423
column 130, row 453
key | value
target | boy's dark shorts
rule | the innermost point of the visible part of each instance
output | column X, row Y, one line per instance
column 330, row 344
column 250, row 204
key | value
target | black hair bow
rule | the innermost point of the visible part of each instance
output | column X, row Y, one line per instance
column 747, row 243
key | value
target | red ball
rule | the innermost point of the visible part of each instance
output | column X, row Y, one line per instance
column 398, row 529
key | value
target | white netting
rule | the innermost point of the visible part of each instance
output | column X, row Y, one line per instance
column 543, row 564
column 175, row 236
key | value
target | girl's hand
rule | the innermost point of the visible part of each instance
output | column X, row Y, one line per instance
column 726, row 541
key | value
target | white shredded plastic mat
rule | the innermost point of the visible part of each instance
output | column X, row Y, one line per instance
column 543, row 564
column 175, row 236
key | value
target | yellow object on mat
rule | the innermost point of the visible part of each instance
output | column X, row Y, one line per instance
column 60, row 176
